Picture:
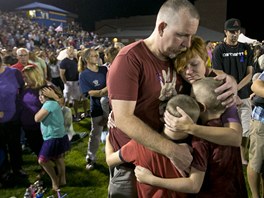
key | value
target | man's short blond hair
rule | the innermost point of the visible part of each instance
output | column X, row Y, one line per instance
column 171, row 8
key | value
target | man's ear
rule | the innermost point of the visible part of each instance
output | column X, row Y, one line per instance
column 202, row 106
column 161, row 28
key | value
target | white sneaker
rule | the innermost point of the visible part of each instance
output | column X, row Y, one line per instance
column 90, row 165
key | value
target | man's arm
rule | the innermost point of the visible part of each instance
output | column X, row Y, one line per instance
column 98, row 93
column 136, row 129
column 246, row 79
column 62, row 75
column 257, row 87
column 191, row 184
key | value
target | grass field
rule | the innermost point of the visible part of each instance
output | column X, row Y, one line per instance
column 80, row 182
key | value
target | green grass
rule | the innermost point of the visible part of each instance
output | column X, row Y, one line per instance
column 80, row 182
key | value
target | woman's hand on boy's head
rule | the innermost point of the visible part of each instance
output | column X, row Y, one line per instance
column 227, row 91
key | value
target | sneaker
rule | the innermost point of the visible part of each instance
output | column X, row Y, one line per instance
column 82, row 116
column 90, row 165
column 26, row 149
column 75, row 138
column 83, row 134
column 76, row 119
column 88, row 114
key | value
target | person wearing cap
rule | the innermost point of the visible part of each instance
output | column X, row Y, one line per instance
column 236, row 59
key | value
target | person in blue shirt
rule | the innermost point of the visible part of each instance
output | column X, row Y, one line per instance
column 93, row 85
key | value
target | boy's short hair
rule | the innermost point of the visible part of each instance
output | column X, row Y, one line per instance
column 189, row 106
column 186, row 103
column 203, row 91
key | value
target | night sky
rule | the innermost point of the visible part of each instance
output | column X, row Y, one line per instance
column 251, row 15
column 89, row 11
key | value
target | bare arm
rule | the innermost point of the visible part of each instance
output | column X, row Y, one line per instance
column 40, row 115
column 246, row 79
column 191, row 184
column 98, row 93
column 143, row 134
column 62, row 75
column 112, row 157
column 230, row 134
column 257, row 87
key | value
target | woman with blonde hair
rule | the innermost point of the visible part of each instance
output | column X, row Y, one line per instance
column 34, row 79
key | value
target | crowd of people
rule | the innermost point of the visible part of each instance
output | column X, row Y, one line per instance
column 19, row 31
column 33, row 57
column 142, row 93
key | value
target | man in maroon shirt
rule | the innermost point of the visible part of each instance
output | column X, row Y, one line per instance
column 140, row 75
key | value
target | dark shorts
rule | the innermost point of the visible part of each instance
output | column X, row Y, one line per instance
column 54, row 148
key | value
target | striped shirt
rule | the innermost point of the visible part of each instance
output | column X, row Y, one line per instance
column 258, row 111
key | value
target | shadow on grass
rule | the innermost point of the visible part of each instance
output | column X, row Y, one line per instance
column 84, row 124
column 80, row 177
